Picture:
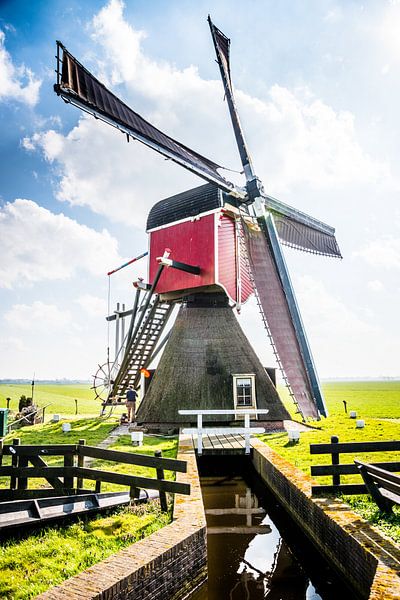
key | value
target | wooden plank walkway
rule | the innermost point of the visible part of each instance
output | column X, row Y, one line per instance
column 222, row 444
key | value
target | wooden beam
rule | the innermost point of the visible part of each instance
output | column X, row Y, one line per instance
column 329, row 490
column 130, row 458
column 355, row 447
column 132, row 480
column 45, row 450
column 350, row 469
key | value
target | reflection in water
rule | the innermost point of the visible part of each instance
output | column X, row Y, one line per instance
column 247, row 558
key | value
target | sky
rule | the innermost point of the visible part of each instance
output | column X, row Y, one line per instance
column 317, row 86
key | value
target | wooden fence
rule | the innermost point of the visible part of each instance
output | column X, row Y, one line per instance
column 335, row 469
column 68, row 478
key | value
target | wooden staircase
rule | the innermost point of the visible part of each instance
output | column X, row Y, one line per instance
column 140, row 348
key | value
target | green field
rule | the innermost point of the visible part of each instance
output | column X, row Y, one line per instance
column 60, row 397
column 380, row 399
column 378, row 404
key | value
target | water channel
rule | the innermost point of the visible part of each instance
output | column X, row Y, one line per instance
column 254, row 551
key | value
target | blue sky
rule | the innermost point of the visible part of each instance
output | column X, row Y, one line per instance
column 318, row 92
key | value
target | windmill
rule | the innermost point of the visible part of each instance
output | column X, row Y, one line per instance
column 210, row 249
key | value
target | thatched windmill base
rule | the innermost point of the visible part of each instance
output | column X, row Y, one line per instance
column 207, row 348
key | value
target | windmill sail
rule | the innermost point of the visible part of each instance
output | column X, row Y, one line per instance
column 304, row 237
column 75, row 84
column 300, row 373
column 268, row 265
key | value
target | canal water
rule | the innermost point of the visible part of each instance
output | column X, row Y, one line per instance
column 254, row 551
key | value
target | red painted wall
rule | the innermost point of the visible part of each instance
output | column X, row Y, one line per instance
column 227, row 261
column 191, row 242
column 227, row 255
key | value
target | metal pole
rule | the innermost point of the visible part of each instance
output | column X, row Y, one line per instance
column 123, row 327
column 117, row 332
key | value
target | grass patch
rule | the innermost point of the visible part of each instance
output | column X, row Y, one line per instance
column 30, row 566
column 93, row 430
column 378, row 403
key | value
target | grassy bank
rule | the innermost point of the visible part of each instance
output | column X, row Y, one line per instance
column 31, row 565
column 378, row 403
column 35, row 561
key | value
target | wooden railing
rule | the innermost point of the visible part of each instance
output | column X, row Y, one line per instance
column 336, row 470
column 68, row 479
column 246, row 431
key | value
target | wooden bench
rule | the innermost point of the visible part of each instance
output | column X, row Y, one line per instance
column 383, row 486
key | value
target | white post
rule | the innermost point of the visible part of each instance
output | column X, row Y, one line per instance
column 200, row 434
column 247, row 434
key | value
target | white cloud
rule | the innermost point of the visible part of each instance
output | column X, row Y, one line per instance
column 16, row 83
column 312, row 143
column 334, row 15
column 382, row 253
column 38, row 316
column 375, row 285
column 342, row 341
column 92, row 305
column 39, row 245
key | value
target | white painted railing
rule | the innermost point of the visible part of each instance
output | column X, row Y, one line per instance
column 242, row 412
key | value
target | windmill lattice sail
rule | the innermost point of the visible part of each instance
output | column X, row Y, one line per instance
column 78, row 86
column 272, row 297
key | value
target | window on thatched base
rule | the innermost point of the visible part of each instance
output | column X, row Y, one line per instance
column 244, row 391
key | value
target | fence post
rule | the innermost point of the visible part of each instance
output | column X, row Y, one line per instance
column 134, row 492
column 14, row 463
column 81, row 463
column 44, row 410
column 68, row 462
column 8, row 400
column 76, row 406
column 335, row 461
column 160, row 475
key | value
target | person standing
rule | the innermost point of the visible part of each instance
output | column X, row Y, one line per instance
column 131, row 396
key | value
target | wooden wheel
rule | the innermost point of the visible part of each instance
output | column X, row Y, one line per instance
column 102, row 382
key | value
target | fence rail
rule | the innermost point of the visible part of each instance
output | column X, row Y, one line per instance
column 68, row 478
column 336, row 470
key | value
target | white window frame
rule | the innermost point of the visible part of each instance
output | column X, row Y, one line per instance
column 252, row 378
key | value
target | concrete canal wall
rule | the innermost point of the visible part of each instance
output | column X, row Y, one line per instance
column 166, row 565
column 366, row 559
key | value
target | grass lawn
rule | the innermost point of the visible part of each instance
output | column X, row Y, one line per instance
column 378, row 403
column 31, row 564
